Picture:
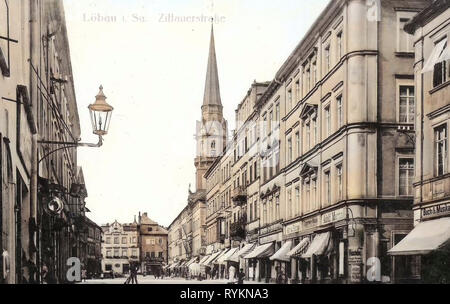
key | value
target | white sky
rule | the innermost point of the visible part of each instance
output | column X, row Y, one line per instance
column 153, row 73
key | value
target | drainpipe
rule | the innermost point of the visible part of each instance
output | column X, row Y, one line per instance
column 34, row 47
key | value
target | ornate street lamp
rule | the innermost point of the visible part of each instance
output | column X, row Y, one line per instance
column 100, row 113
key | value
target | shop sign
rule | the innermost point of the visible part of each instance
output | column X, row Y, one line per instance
column 312, row 222
column 436, row 210
column 268, row 239
column 293, row 228
column 355, row 262
column 334, row 216
column 271, row 228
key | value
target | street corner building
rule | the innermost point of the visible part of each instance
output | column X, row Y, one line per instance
column 335, row 163
column 43, row 219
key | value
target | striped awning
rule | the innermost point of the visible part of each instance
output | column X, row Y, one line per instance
column 211, row 258
column 222, row 253
column 319, row 245
column 262, row 251
column 224, row 257
column 193, row 260
column 204, row 259
column 299, row 248
column 281, row 254
column 240, row 253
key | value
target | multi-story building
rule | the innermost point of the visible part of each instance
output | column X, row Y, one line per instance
column 188, row 233
column 345, row 134
column 120, row 247
column 425, row 246
column 37, row 105
column 93, row 259
column 152, row 243
column 332, row 190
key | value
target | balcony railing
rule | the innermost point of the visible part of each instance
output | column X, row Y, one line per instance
column 239, row 195
column 237, row 229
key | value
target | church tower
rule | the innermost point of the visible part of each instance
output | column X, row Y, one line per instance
column 211, row 133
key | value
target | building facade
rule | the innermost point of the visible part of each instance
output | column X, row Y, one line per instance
column 120, row 247
column 38, row 105
column 153, row 244
column 327, row 190
column 93, row 264
column 430, row 29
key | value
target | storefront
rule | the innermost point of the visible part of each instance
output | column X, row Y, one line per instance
column 237, row 259
column 219, row 267
column 425, row 252
column 282, row 263
column 226, row 262
column 260, row 262
column 318, row 248
column 298, row 265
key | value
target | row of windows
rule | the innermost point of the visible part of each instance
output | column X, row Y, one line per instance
column 117, row 252
column 132, row 240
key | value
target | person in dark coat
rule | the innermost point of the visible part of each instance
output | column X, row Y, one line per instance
column 241, row 276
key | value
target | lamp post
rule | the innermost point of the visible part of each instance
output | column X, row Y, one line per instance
column 54, row 195
column 100, row 112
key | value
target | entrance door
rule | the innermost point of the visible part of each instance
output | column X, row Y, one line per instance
column 126, row 268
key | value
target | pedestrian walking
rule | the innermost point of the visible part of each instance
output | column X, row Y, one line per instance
column 232, row 272
column 134, row 274
column 44, row 273
column 83, row 275
column 241, row 276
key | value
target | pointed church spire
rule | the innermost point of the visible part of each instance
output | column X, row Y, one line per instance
column 212, row 90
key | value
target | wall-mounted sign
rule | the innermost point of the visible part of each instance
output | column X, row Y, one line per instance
column 293, row 228
column 268, row 239
column 334, row 216
column 312, row 222
column 271, row 228
column 355, row 263
column 437, row 210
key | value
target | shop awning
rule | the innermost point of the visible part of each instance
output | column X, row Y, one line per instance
column 174, row 265
column 262, row 251
column 225, row 256
column 191, row 261
column 299, row 248
column 239, row 253
column 424, row 238
column 204, row 259
column 222, row 253
column 182, row 264
column 436, row 56
column 211, row 258
column 319, row 245
column 281, row 254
